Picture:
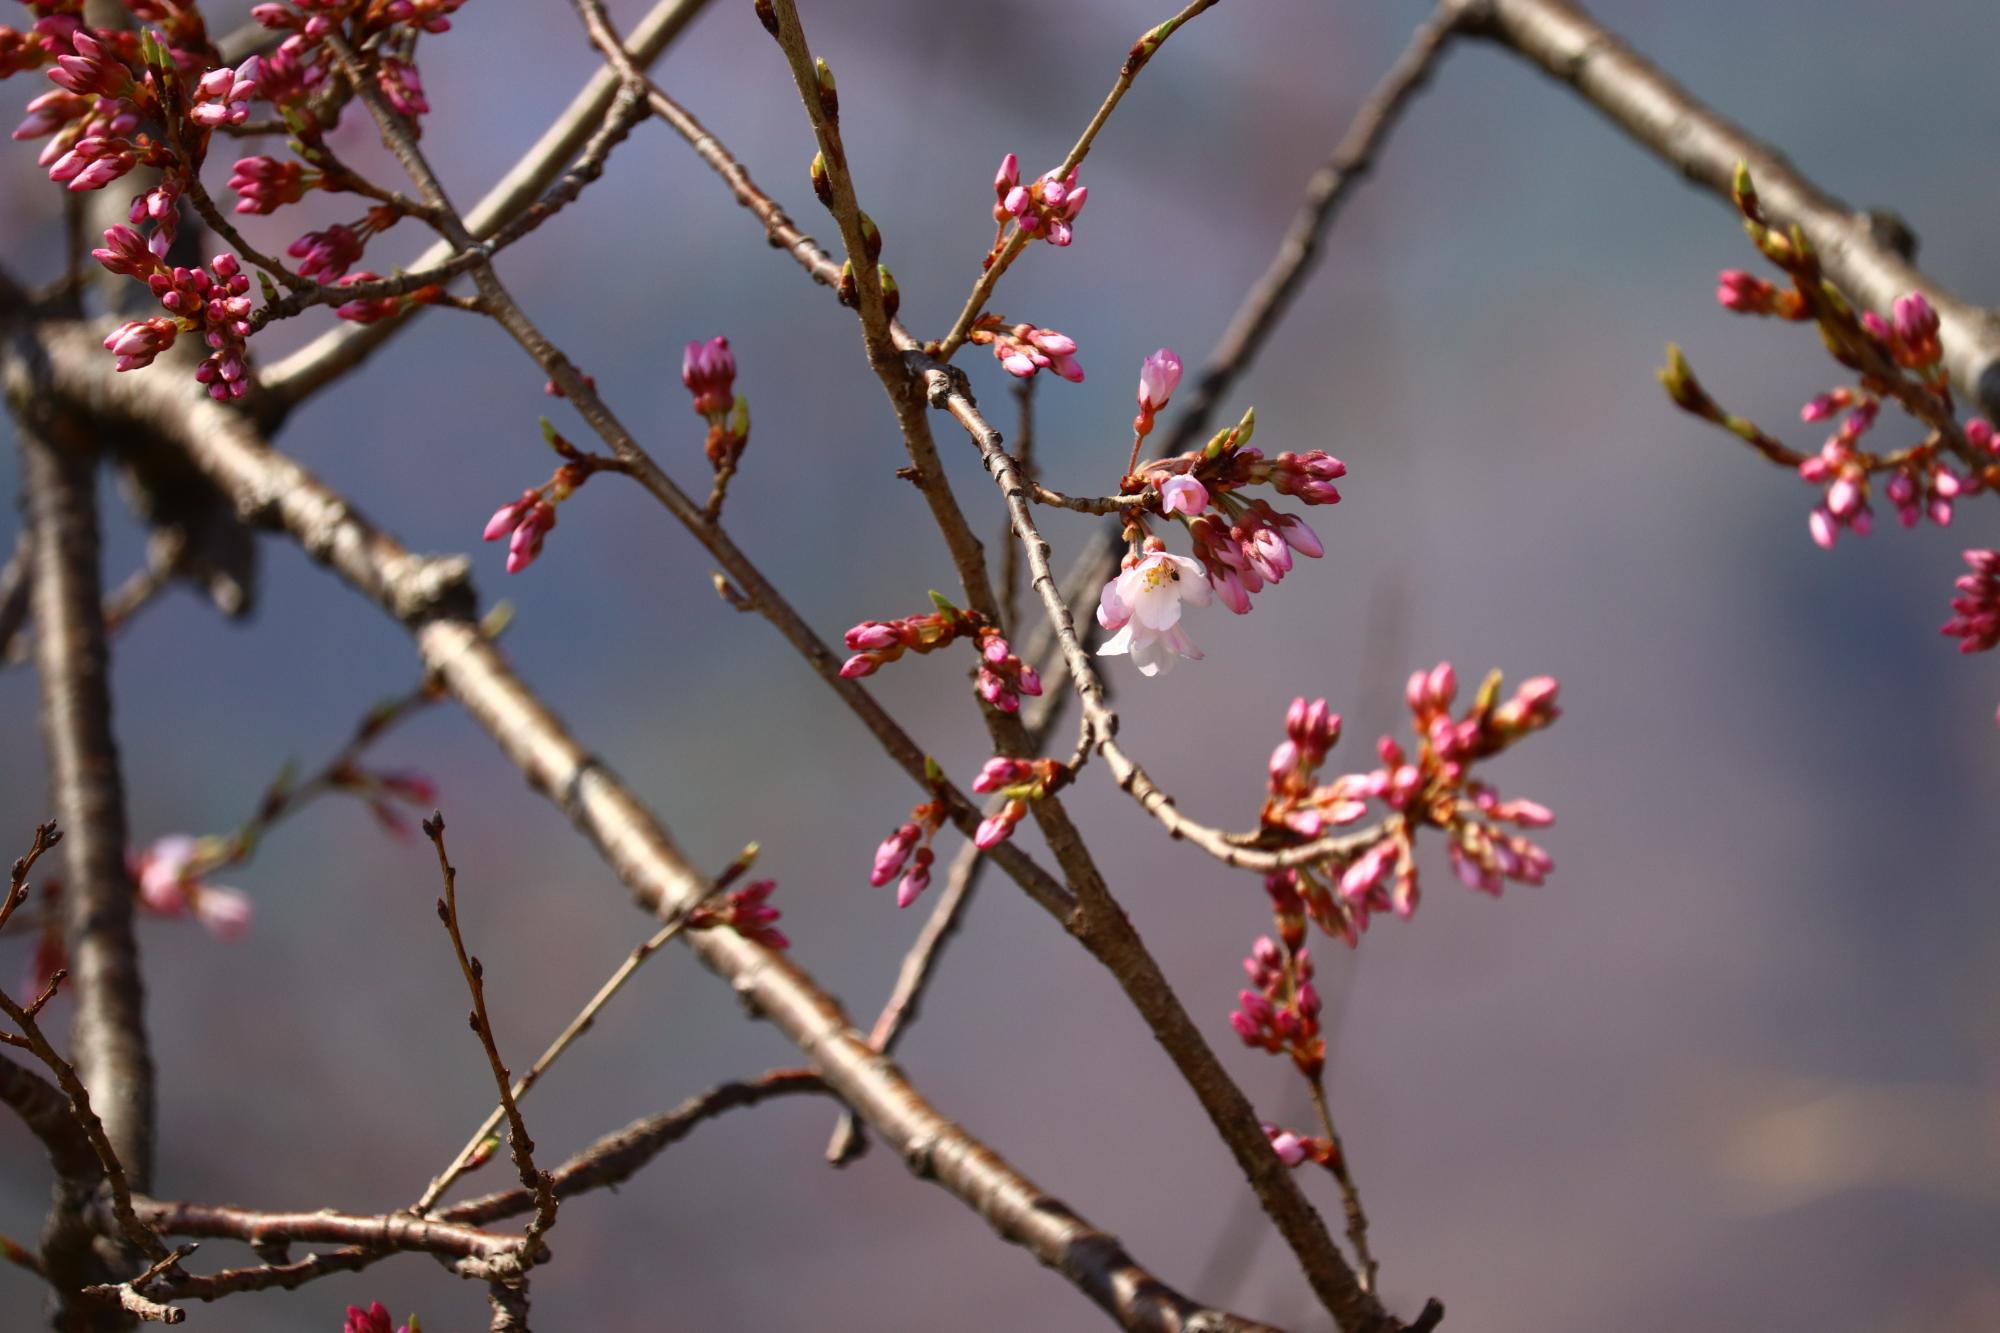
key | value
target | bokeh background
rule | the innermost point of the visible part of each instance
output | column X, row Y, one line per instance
column 1736, row 1066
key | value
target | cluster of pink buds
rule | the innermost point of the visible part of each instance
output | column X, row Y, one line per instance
column 1280, row 1014
column 708, row 369
column 1976, row 619
column 906, row 855
column 1044, row 207
column 266, row 184
column 1747, row 294
column 528, row 520
column 1020, row 781
column 1910, row 336
column 1003, row 677
column 96, row 111
column 1432, row 787
column 169, row 875
column 40, row 44
column 326, row 255
column 222, row 96
column 747, row 912
column 211, row 301
column 403, row 89
column 375, row 1319
column 1024, row 349
column 1976, row 622
column 875, row 643
column 1898, row 359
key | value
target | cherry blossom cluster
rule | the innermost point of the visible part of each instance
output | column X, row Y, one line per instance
column 388, row 30
column 708, row 369
column 1240, row 545
column 1024, row 349
column 1432, row 787
column 1044, row 207
column 375, row 1319
column 748, row 912
column 156, row 97
column 1001, row 679
column 1897, row 360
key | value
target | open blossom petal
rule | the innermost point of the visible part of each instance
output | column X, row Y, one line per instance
column 1183, row 495
column 1156, row 655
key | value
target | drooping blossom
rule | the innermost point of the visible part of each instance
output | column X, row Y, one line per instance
column 169, row 877
column 1143, row 606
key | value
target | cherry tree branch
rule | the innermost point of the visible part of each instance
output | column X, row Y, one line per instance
column 617, row 1157
column 59, row 474
column 431, row 597
column 1870, row 266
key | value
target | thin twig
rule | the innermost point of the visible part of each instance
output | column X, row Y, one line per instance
column 518, row 1142
column 1136, row 59
column 576, row 1027
column 1350, row 1197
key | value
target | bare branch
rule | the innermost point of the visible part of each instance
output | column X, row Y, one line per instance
column 518, row 1141
column 109, row 1033
column 429, row 595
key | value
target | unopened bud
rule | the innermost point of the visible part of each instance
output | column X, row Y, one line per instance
column 829, row 97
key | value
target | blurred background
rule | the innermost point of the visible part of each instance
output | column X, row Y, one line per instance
column 1736, row 1066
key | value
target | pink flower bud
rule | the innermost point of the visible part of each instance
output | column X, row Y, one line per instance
column 1159, row 376
column 509, row 516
